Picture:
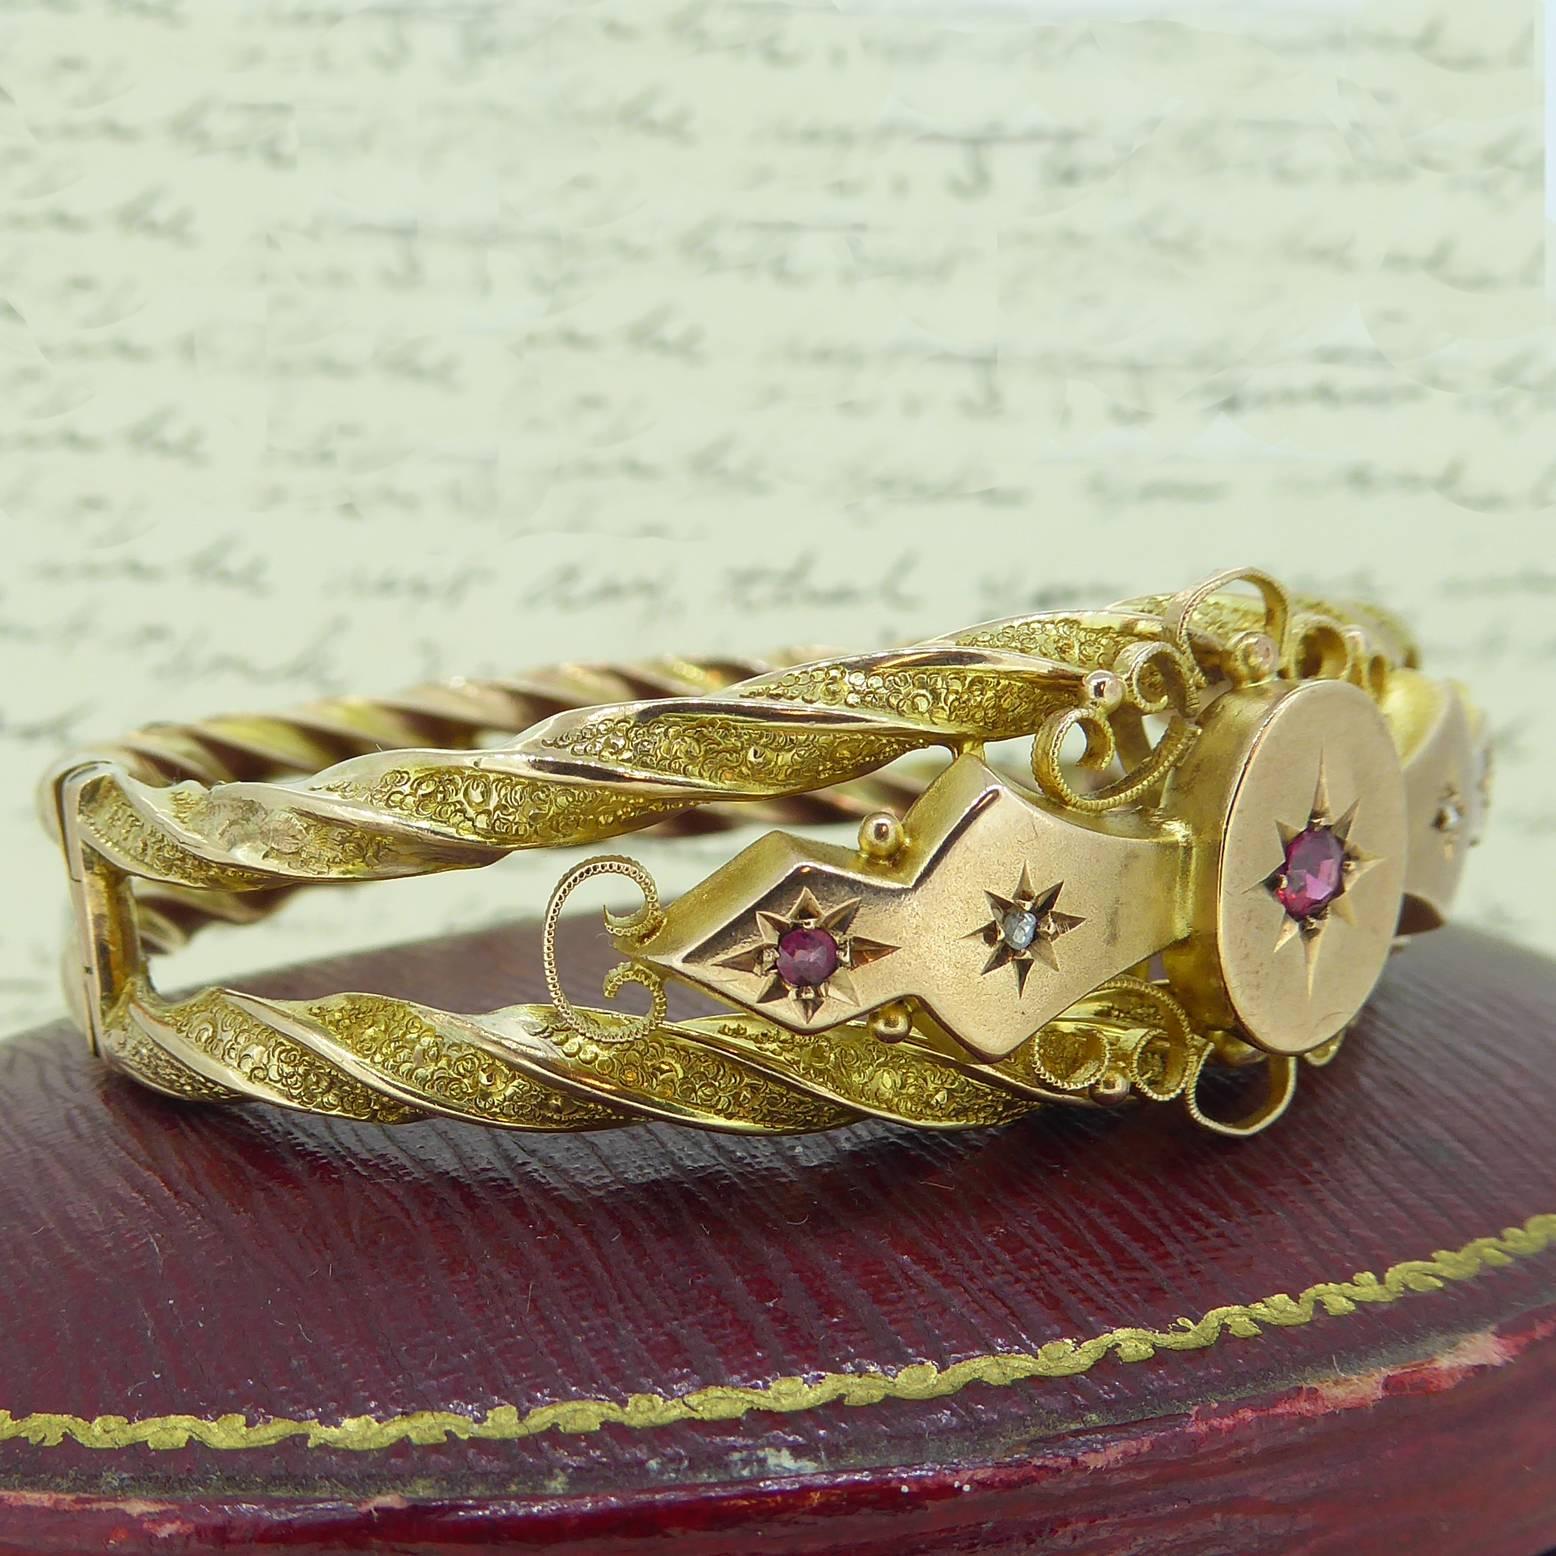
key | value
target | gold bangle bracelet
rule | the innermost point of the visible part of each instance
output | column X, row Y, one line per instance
column 1265, row 794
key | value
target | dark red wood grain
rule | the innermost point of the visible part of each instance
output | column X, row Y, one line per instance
column 163, row 1259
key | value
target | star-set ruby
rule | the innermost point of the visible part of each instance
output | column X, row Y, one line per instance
column 1314, row 874
column 807, row 957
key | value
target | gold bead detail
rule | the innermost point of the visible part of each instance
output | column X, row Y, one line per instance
column 881, row 836
column 1254, row 658
column 891, row 1023
column 1104, row 691
column 1110, row 1089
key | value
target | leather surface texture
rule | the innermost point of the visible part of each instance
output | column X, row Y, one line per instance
column 165, row 1260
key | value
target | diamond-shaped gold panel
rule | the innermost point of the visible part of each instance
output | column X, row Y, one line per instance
column 916, row 927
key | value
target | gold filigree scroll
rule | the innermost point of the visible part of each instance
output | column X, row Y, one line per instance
column 1150, row 677
column 629, row 928
column 1165, row 663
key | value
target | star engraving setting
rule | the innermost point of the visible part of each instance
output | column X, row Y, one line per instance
column 1023, row 929
column 1448, row 819
column 805, row 957
column 1319, row 865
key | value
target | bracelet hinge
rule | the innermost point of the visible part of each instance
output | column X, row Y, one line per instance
column 107, row 953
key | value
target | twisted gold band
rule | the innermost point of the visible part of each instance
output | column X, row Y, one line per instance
column 1267, row 792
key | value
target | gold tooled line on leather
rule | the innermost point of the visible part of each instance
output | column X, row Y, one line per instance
column 724, row 1402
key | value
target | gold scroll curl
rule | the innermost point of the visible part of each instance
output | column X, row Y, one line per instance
column 630, row 928
column 1152, row 677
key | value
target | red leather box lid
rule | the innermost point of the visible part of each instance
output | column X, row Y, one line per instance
column 324, row 1335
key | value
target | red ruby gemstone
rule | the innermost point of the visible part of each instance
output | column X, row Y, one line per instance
column 807, row 957
column 1314, row 873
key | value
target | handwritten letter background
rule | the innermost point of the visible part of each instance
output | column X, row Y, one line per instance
column 345, row 345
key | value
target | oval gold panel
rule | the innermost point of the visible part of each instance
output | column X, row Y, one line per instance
column 1312, row 862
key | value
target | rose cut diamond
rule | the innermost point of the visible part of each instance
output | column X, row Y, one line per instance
column 1019, row 928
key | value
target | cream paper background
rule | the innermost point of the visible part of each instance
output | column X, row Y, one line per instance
column 344, row 345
